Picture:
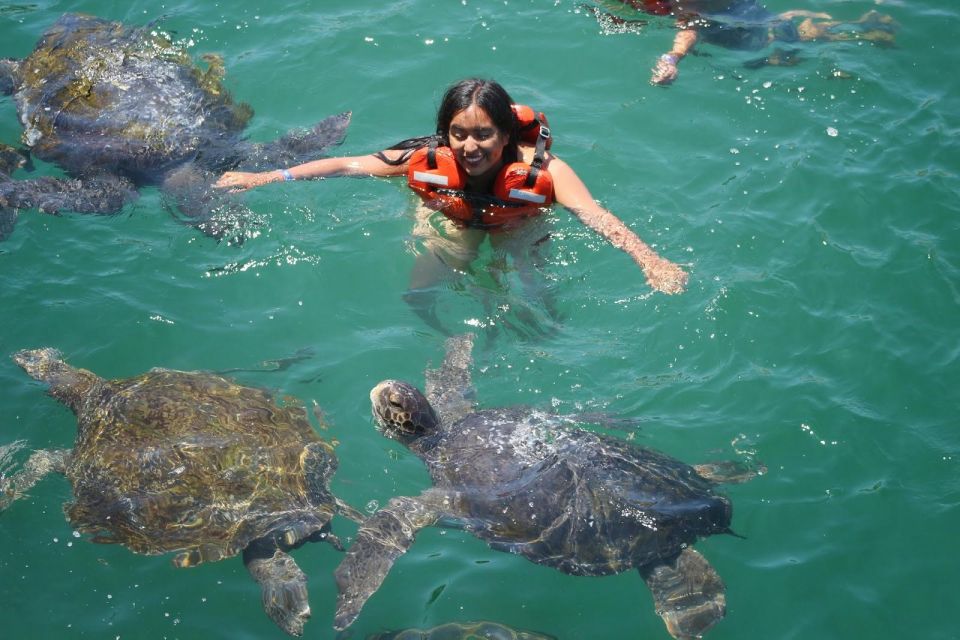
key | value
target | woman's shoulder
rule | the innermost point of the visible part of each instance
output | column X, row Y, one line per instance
column 550, row 161
column 527, row 152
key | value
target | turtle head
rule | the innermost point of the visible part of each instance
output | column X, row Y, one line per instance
column 68, row 384
column 402, row 411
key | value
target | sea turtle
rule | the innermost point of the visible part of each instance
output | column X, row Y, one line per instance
column 192, row 463
column 118, row 107
column 581, row 502
column 482, row 630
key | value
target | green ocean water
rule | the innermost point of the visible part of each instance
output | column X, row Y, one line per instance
column 816, row 207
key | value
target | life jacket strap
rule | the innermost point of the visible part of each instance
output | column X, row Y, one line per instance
column 539, row 153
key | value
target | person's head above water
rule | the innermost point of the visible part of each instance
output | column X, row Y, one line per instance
column 476, row 120
column 486, row 94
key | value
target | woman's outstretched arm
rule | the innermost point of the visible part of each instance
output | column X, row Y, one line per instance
column 661, row 274
column 370, row 165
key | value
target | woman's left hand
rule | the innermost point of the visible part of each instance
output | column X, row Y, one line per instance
column 665, row 276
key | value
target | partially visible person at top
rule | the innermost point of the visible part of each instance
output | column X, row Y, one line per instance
column 486, row 169
column 748, row 25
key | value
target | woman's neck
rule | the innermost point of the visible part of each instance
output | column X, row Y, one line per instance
column 484, row 183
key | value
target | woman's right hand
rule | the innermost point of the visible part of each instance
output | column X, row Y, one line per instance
column 666, row 70
column 237, row 181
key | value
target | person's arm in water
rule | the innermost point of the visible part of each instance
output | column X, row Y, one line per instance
column 570, row 192
column 666, row 70
column 324, row 168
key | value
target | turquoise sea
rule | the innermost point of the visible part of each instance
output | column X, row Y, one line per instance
column 816, row 207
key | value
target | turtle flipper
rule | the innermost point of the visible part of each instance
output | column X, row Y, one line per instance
column 283, row 586
column 39, row 464
column 688, row 594
column 10, row 161
column 730, row 471
column 9, row 75
column 384, row 537
column 101, row 194
column 449, row 389
column 8, row 220
column 349, row 512
column 192, row 200
column 297, row 146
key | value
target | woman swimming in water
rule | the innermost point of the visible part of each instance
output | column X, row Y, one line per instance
column 485, row 170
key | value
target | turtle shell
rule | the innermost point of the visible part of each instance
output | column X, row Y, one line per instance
column 96, row 93
column 582, row 502
column 178, row 461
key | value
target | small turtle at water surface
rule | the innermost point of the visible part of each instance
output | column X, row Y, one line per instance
column 523, row 481
column 482, row 630
column 191, row 463
column 118, row 107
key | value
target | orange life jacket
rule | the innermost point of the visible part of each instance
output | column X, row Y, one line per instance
column 655, row 7
column 520, row 190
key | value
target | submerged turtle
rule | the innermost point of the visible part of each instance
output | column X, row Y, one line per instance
column 192, row 463
column 120, row 107
column 482, row 630
column 584, row 503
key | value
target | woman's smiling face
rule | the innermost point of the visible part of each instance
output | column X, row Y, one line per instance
column 476, row 141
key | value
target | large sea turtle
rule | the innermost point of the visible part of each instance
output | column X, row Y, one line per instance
column 118, row 107
column 192, row 463
column 584, row 503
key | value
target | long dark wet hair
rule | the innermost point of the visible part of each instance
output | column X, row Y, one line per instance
column 486, row 94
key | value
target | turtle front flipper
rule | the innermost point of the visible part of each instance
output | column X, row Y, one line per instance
column 39, row 464
column 730, row 471
column 8, row 220
column 384, row 537
column 283, row 586
column 349, row 512
column 688, row 594
column 99, row 194
column 9, row 75
column 10, row 161
column 297, row 146
column 449, row 389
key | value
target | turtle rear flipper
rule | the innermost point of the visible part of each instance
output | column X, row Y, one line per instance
column 384, row 537
column 283, row 586
column 688, row 594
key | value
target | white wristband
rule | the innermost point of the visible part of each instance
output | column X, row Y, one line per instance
column 287, row 176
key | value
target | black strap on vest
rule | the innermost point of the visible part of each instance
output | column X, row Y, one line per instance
column 432, row 154
column 538, row 156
